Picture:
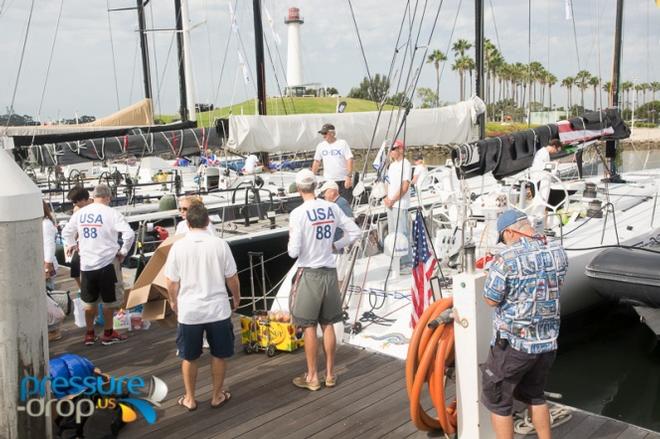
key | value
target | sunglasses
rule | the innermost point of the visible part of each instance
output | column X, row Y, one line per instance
column 183, row 209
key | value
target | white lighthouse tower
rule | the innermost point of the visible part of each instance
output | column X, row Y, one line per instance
column 294, row 76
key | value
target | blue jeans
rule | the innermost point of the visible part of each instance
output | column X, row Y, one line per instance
column 403, row 219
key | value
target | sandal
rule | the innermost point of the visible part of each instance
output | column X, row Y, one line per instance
column 181, row 402
column 301, row 381
column 227, row 397
column 330, row 381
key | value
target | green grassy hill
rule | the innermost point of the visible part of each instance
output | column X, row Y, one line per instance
column 276, row 106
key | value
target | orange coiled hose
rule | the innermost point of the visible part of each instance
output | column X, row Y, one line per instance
column 429, row 353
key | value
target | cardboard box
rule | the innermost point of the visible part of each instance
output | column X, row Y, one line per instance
column 150, row 289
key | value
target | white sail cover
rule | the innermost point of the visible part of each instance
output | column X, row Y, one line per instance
column 278, row 134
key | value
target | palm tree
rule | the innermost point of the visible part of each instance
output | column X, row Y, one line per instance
column 463, row 64
column 460, row 47
column 568, row 83
column 638, row 88
column 582, row 82
column 594, row 81
column 626, row 86
column 436, row 57
column 607, row 88
column 551, row 80
column 655, row 87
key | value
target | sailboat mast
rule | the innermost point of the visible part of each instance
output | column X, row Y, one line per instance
column 261, row 66
column 259, row 53
column 611, row 145
column 479, row 55
column 144, row 48
column 186, row 90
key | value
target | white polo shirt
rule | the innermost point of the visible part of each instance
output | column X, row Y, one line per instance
column 201, row 263
column 50, row 236
column 541, row 157
column 98, row 227
column 182, row 228
column 395, row 177
column 334, row 157
column 312, row 228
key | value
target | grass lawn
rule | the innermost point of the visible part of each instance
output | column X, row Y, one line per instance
column 276, row 106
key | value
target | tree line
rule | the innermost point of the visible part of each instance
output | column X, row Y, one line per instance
column 513, row 88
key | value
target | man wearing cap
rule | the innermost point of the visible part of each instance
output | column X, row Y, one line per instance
column 420, row 171
column 315, row 297
column 330, row 192
column 523, row 284
column 397, row 200
column 337, row 161
column 98, row 226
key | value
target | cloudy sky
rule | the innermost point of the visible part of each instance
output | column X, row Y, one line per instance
column 82, row 72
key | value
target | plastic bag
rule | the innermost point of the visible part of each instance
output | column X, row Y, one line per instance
column 121, row 320
column 79, row 312
column 55, row 313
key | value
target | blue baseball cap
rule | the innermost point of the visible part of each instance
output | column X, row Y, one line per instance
column 507, row 219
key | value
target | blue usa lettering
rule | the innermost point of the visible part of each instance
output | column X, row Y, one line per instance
column 89, row 218
column 320, row 214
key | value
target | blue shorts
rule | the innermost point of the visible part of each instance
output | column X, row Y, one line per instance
column 220, row 336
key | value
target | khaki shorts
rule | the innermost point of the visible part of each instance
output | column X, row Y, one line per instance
column 315, row 297
column 98, row 291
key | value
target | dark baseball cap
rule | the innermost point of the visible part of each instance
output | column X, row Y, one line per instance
column 327, row 127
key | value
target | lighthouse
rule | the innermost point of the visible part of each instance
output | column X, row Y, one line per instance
column 294, row 76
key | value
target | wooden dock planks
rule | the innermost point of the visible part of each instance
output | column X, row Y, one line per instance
column 369, row 401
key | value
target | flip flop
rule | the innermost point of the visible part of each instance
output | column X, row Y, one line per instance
column 225, row 400
column 180, row 402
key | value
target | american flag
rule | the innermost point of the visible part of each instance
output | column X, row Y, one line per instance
column 423, row 268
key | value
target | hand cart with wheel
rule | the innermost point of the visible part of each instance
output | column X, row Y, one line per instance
column 262, row 332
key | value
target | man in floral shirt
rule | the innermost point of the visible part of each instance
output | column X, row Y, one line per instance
column 523, row 285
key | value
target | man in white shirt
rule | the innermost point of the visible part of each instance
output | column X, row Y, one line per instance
column 97, row 227
column 420, row 171
column 198, row 267
column 337, row 161
column 397, row 200
column 315, row 297
column 542, row 156
column 250, row 166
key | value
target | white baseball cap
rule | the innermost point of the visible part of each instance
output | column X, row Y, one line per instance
column 329, row 185
column 305, row 176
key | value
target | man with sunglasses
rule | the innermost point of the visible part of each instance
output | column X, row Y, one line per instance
column 337, row 161
column 523, row 285
column 184, row 205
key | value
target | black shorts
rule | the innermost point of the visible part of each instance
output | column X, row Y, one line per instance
column 74, row 266
column 220, row 336
column 95, row 284
column 509, row 374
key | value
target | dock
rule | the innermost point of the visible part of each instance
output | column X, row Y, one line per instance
column 370, row 400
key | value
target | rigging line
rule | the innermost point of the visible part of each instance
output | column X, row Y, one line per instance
column 497, row 34
column 281, row 65
column 224, row 60
column 114, row 60
column 380, row 109
column 364, row 56
column 277, row 81
column 167, row 62
column 155, row 52
column 451, row 35
column 20, row 63
column 575, row 40
column 210, row 47
column 246, row 58
column 4, row 9
column 135, row 52
column 50, row 62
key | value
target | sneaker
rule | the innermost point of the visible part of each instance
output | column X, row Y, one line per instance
column 301, row 381
column 90, row 338
column 113, row 338
column 205, row 343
